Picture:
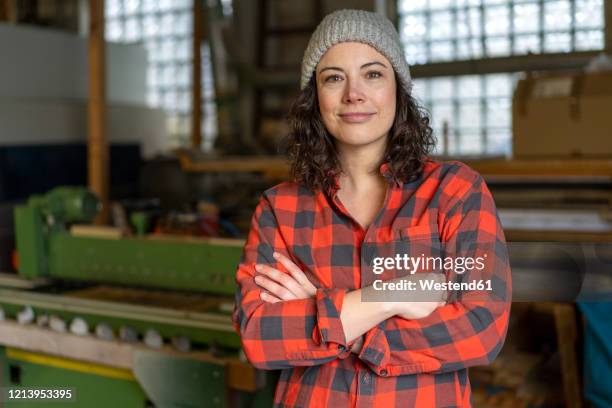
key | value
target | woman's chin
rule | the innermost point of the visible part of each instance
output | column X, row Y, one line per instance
column 359, row 140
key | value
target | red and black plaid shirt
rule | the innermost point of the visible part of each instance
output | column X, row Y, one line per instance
column 403, row 363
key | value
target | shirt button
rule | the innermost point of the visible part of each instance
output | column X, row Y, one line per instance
column 383, row 372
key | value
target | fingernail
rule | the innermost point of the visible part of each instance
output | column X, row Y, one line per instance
column 275, row 255
column 258, row 267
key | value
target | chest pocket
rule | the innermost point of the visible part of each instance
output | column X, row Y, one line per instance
column 394, row 258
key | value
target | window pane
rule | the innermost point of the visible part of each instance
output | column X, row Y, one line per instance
column 589, row 40
column 498, row 46
column 416, row 54
column 444, row 27
column 441, row 112
column 499, row 142
column 413, row 28
column 497, row 21
column 439, row 4
column 470, row 142
column 526, row 18
column 113, row 8
column 151, row 26
column 557, row 16
column 442, row 88
column 132, row 30
column 419, row 89
column 114, row 30
column 131, row 6
column 470, row 115
column 589, row 14
column 498, row 85
column 406, row 6
column 481, row 106
column 442, row 51
column 524, row 44
column 469, row 87
column 557, row 42
column 506, row 28
column 499, row 113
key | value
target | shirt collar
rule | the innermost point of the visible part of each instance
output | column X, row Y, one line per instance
column 383, row 169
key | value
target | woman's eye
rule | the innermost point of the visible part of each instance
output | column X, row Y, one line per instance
column 374, row 74
column 332, row 78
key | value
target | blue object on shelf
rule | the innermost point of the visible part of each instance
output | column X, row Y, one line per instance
column 598, row 352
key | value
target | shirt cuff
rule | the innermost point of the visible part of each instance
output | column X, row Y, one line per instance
column 329, row 327
column 375, row 350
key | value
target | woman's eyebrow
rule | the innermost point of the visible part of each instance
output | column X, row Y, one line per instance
column 362, row 67
column 373, row 63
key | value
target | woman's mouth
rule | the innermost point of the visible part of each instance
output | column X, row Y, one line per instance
column 356, row 117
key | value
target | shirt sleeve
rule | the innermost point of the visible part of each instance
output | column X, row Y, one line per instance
column 300, row 332
column 468, row 331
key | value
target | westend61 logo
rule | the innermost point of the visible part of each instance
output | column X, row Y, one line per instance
column 411, row 264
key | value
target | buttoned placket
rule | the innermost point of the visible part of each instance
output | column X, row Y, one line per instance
column 365, row 377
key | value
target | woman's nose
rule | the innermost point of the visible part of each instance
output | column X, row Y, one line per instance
column 353, row 92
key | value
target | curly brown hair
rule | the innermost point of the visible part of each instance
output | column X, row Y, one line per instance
column 312, row 153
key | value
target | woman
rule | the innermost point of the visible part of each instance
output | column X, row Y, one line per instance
column 362, row 183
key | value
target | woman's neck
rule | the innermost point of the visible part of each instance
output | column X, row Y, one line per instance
column 360, row 169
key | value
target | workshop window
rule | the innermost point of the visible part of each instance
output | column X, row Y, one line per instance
column 477, row 109
column 164, row 27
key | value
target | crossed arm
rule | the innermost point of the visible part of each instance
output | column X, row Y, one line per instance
column 285, row 321
column 357, row 317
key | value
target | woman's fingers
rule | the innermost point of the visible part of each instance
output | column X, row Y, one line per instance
column 296, row 272
column 274, row 288
column 268, row 297
column 284, row 280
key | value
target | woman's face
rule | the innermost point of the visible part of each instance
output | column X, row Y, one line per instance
column 356, row 93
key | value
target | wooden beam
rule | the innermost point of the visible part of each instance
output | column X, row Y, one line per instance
column 196, row 101
column 567, row 336
column 3, row 10
column 97, row 147
column 544, row 168
column 519, row 63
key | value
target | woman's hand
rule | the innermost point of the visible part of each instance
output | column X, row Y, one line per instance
column 424, row 303
column 418, row 310
column 357, row 345
column 280, row 286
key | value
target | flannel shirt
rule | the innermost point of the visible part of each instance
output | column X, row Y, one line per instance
column 403, row 363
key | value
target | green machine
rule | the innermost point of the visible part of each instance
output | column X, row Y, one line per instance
column 179, row 289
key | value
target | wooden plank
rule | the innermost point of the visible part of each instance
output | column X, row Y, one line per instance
column 110, row 353
column 12, row 280
column 567, row 335
column 96, row 231
column 549, row 168
column 90, row 349
column 268, row 165
column 97, row 146
column 517, row 63
column 196, row 79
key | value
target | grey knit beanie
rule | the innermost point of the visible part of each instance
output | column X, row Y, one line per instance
column 362, row 26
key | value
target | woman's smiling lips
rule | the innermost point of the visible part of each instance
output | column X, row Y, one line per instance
column 356, row 117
